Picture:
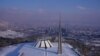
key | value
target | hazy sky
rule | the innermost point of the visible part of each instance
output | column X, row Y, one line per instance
column 46, row 12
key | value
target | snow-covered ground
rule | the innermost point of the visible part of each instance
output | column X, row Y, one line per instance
column 6, row 50
column 29, row 49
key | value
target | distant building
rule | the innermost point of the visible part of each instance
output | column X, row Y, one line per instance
column 95, row 47
column 95, row 42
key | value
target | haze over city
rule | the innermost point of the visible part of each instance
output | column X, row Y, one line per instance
column 46, row 12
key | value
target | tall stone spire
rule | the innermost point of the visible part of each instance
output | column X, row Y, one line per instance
column 59, row 37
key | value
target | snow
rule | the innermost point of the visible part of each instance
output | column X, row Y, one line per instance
column 6, row 50
column 11, row 34
column 29, row 50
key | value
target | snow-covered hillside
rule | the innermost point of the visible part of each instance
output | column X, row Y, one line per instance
column 11, row 34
